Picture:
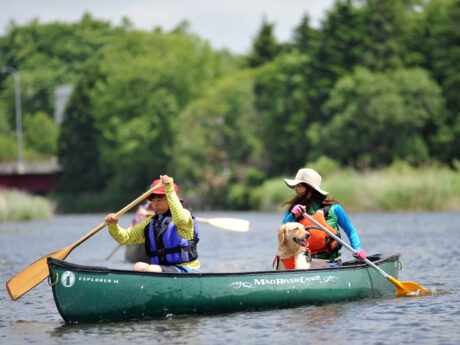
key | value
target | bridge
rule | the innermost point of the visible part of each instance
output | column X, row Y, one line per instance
column 36, row 178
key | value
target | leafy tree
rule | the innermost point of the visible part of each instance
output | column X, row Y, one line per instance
column 437, row 39
column 341, row 46
column 282, row 92
column 79, row 140
column 41, row 134
column 265, row 47
column 134, row 90
column 305, row 36
column 218, row 134
column 387, row 23
column 47, row 55
column 380, row 117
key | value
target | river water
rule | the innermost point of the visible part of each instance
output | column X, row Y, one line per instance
column 428, row 243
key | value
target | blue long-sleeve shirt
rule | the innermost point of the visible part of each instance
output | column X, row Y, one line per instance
column 337, row 217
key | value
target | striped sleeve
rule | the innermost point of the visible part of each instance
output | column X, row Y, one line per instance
column 180, row 216
column 133, row 235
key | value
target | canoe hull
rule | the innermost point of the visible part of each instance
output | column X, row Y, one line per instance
column 90, row 294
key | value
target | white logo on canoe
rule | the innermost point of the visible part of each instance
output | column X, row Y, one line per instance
column 68, row 279
column 283, row 281
column 238, row 285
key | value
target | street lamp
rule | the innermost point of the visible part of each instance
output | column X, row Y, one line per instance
column 9, row 69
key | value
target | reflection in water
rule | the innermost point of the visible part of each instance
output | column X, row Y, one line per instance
column 168, row 328
column 22, row 331
column 315, row 316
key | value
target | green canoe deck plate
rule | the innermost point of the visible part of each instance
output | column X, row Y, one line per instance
column 92, row 294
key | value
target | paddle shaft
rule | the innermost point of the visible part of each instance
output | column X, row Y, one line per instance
column 217, row 222
column 118, row 214
column 346, row 245
column 407, row 289
column 33, row 274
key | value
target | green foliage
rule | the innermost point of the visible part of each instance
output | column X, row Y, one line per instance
column 386, row 21
column 399, row 187
column 281, row 91
column 41, row 134
column 254, row 177
column 274, row 193
column 265, row 48
column 218, row 134
column 340, row 47
column 436, row 38
column 237, row 197
column 122, row 110
column 377, row 117
column 47, row 55
column 78, row 142
column 324, row 165
column 247, row 194
column 305, row 37
column 8, row 148
column 378, row 81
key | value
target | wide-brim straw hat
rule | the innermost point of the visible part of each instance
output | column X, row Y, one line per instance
column 309, row 177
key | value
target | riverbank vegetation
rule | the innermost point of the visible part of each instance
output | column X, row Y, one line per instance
column 397, row 188
column 374, row 85
column 19, row 206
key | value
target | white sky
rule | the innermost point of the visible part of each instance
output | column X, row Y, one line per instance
column 229, row 24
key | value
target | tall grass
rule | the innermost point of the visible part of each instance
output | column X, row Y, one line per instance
column 18, row 206
column 397, row 188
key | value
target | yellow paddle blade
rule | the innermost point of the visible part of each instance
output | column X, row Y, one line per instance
column 232, row 224
column 409, row 289
column 33, row 274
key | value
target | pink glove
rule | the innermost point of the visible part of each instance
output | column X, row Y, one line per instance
column 297, row 210
column 360, row 254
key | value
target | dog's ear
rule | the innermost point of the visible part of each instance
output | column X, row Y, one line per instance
column 282, row 234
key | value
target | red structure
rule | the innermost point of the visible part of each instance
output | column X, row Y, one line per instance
column 37, row 178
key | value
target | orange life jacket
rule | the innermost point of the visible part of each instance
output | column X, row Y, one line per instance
column 288, row 263
column 320, row 241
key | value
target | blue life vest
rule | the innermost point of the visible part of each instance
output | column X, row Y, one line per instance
column 163, row 244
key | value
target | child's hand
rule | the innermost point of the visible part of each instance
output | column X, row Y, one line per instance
column 165, row 179
column 111, row 218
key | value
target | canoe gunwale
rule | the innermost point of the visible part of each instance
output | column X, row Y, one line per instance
column 377, row 259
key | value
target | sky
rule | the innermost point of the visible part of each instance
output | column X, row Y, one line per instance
column 231, row 24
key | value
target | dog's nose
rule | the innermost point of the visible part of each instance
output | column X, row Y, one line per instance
column 307, row 235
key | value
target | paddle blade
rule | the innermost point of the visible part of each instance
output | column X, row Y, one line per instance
column 232, row 224
column 33, row 274
column 409, row 289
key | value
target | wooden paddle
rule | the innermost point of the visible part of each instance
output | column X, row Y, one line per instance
column 38, row 271
column 232, row 224
column 403, row 289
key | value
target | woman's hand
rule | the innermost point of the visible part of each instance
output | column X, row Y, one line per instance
column 297, row 210
column 360, row 254
column 111, row 218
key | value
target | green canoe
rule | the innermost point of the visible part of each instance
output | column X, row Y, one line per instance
column 90, row 294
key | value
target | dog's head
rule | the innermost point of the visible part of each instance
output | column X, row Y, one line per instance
column 293, row 232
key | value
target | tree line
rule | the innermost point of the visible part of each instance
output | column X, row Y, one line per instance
column 378, row 81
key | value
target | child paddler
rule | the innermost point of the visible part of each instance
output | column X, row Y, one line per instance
column 170, row 236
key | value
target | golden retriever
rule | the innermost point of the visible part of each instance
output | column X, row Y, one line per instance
column 292, row 252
